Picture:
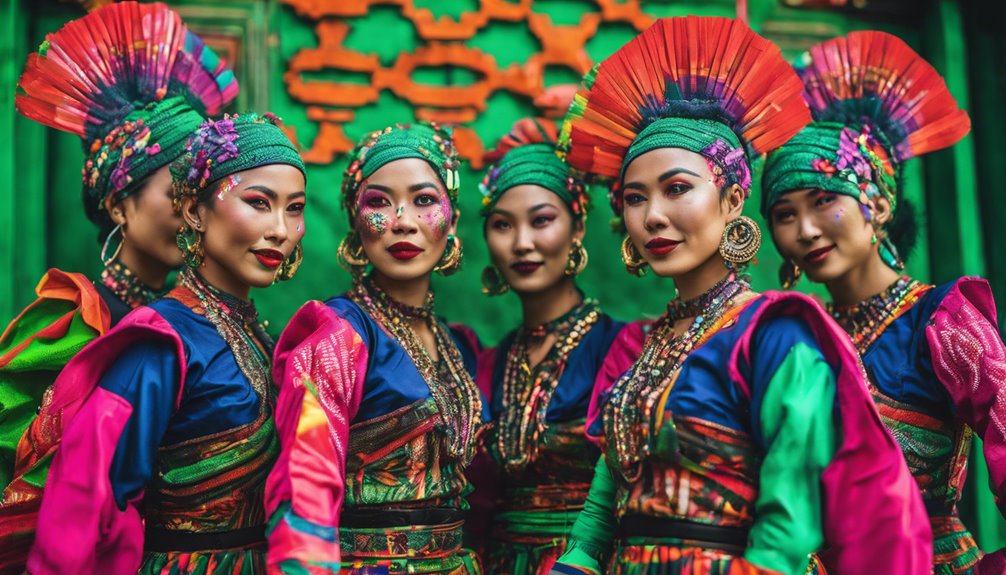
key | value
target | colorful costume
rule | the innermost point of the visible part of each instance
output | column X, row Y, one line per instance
column 133, row 83
column 375, row 433
column 169, row 431
column 736, row 446
column 933, row 354
column 537, row 442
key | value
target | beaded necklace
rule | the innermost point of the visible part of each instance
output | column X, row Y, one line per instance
column 237, row 323
column 127, row 286
column 866, row 321
column 451, row 386
column 526, row 392
column 628, row 413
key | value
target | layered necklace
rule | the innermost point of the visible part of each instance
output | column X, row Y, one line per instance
column 237, row 323
column 866, row 321
column 527, row 392
column 628, row 413
column 127, row 286
column 456, row 397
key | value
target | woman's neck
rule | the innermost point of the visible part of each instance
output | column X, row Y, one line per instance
column 411, row 292
column 148, row 270
column 697, row 281
column 551, row 303
column 861, row 282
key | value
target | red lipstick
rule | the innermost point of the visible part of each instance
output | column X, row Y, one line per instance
column 404, row 250
column 525, row 268
column 817, row 256
column 270, row 259
column 661, row 246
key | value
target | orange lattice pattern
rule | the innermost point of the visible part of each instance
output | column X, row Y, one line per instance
column 332, row 104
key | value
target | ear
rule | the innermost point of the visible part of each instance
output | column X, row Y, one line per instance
column 579, row 229
column 194, row 213
column 734, row 201
column 118, row 212
column 453, row 228
column 882, row 214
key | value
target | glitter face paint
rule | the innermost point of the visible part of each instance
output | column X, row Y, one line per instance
column 232, row 181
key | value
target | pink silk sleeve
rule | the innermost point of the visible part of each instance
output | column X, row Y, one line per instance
column 624, row 350
column 969, row 359
column 320, row 364
column 80, row 527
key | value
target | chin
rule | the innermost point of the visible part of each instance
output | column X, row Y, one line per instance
column 404, row 271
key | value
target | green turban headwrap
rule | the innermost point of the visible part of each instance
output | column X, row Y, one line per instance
column 230, row 145
column 421, row 140
column 833, row 157
column 534, row 164
column 118, row 162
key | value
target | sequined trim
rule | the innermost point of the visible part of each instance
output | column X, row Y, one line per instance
column 127, row 286
column 867, row 320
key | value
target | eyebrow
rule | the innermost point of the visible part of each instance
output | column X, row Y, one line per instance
column 423, row 186
column 673, row 172
column 265, row 190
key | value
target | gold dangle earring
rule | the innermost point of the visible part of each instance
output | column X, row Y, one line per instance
column 633, row 260
column 190, row 241
column 451, row 260
column 493, row 282
column 290, row 265
column 578, row 259
column 740, row 242
column 789, row 274
column 350, row 254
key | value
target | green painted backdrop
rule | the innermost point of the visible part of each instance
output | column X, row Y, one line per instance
column 42, row 225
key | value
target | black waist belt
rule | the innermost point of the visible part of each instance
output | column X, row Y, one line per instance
column 701, row 534
column 167, row 540
column 379, row 518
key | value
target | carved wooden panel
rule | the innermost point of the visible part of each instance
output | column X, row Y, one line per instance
column 441, row 44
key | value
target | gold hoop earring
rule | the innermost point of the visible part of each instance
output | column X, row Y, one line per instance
column 350, row 254
column 578, row 259
column 740, row 242
column 634, row 262
column 451, row 260
column 493, row 282
column 789, row 274
column 290, row 265
column 105, row 258
column 191, row 243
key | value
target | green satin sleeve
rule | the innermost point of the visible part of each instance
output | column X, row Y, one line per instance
column 800, row 439
column 594, row 530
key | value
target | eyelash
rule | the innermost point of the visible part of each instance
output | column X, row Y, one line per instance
column 297, row 208
column 542, row 221
column 421, row 200
column 677, row 188
column 258, row 203
column 634, row 199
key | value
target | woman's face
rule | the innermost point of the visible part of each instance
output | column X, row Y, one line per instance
column 530, row 233
column 252, row 223
column 673, row 210
column 404, row 216
column 825, row 234
column 149, row 221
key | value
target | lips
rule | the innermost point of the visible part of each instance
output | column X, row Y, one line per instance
column 817, row 256
column 404, row 251
column 661, row 246
column 269, row 258
column 526, row 268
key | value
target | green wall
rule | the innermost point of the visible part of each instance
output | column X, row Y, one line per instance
column 957, row 191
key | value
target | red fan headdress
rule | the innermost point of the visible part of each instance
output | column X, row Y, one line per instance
column 133, row 83
column 709, row 85
column 875, row 104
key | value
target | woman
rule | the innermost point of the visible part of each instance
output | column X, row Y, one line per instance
column 131, row 102
column 739, row 438
column 163, row 465
column 378, row 413
column 540, row 378
column 834, row 202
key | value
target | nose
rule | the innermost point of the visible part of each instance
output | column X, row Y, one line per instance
column 523, row 242
column 807, row 229
column 404, row 221
column 656, row 215
column 280, row 229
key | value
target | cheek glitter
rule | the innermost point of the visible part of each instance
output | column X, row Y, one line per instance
column 376, row 222
column 232, row 181
column 401, row 210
